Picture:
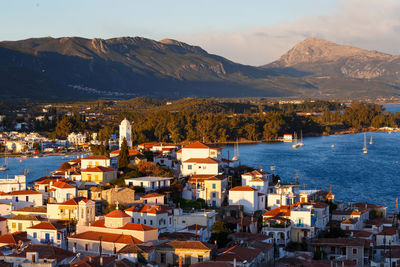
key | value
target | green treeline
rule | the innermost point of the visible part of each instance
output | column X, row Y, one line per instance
column 223, row 121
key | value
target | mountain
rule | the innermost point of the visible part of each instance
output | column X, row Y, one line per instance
column 126, row 67
column 74, row 68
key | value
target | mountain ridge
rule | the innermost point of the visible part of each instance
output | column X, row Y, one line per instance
column 125, row 67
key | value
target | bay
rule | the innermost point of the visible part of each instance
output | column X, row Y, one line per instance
column 354, row 176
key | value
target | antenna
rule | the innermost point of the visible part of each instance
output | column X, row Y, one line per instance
column 297, row 178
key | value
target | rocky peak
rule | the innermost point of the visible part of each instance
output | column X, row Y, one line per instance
column 313, row 50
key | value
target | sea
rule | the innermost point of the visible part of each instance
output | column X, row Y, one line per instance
column 354, row 176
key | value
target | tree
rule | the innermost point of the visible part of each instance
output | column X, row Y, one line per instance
column 36, row 146
column 123, row 157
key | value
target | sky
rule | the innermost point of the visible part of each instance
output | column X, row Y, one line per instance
column 253, row 32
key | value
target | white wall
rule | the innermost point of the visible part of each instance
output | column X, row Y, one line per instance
column 248, row 199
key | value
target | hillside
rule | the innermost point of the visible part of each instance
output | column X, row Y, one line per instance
column 74, row 68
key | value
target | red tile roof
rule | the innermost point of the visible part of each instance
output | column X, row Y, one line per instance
column 137, row 227
column 242, row 188
column 45, row 226
column 152, row 195
column 200, row 145
column 117, row 214
column 201, row 160
column 62, row 185
column 96, row 157
column 98, row 223
column 45, row 252
column 74, row 201
column 107, row 237
column 132, row 152
column 177, row 244
column 12, row 239
column 25, row 192
column 33, row 209
column 99, row 169
column 147, row 208
column 238, row 253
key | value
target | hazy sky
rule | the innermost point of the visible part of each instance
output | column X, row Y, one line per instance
column 252, row 32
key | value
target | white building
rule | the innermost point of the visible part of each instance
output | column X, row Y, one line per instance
column 23, row 198
column 13, row 184
column 201, row 218
column 198, row 150
column 158, row 216
column 60, row 191
column 281, row 195
column 76, row 139
column 257, row 179
column 149, row 183
column 95, row 161
column 47, row 233
column 200, row 166
column 248, row 197
column 125, row 131
column 153, row 198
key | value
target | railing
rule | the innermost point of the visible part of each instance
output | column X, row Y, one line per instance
column 46, row 241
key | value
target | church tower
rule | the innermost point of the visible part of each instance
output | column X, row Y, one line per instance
column 125, row 131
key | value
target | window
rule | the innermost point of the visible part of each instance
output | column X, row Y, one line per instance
column 141, row 184
column 189, row 167
column 214, row 186
column 14, row 225
column 354, row 251
column 277, row 201
column 34, row 235
column 199, row 167
column 151, row 222
column 163, row 258
column 144, row 221
column 138, row 220
column 19, row 226
column 214, row 195
column 199, row 258
column 133, row 220
column 86, row 247
column 16, row 199
column 27, row 198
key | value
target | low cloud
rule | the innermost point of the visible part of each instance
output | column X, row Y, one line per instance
column 369, row 24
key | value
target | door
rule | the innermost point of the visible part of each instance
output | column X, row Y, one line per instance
column 47, row 237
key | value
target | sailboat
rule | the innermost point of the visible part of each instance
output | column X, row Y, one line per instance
column 301, row 139
column 236, row 157
column 370, row 141
column 296, row 145
column 365, row 151
column 4, row 167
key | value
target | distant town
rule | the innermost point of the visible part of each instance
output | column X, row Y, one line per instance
column 117, row 202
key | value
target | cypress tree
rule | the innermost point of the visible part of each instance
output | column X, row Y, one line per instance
column 123, row 157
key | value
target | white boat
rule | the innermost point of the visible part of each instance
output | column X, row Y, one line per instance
column 332, row 145
column 370, row 141
column 4, row 167
column 296, row 145
column 365, row 150
column 301, row 139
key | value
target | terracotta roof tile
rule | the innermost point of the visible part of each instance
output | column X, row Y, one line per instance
column 107, row 237
column 99, row 169
column 137, row 227
column 62, row 185
column 201, row 160
column 33, row 209
column 152, row 195
column 25, row 192
column 45, row 252
column 177, row 244
column 45, row 226
column 242, row 188
column 12, row 239
column 95, row 157
column 117, row 214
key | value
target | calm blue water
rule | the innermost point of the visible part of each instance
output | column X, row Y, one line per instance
column 354, row 176
column 38, row 167
column 392, row 108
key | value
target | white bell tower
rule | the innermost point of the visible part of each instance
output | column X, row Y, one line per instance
column 125, row 131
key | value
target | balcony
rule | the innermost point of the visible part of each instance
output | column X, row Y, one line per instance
column 46, row 241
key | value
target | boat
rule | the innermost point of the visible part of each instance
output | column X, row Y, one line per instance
column 370, row 141
column 365, row 150
column 332, row 145
column 301, row 139
column 296, row 145
column 4, row 167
